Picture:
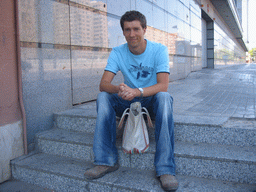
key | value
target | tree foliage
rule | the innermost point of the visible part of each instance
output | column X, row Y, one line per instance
column 252, row 52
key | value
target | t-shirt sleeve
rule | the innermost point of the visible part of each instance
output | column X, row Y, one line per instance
column 112, row 64
column 162, row 60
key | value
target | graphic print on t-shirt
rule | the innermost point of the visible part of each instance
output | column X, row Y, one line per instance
column 142, row 71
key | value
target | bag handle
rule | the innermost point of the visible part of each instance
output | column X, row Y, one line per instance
column 145, row 112
column 150, row 124
column 122, row 118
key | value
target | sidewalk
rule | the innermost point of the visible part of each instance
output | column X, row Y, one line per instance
column 216, row 94
column 204, row 97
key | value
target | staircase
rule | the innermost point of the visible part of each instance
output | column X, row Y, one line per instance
column 212, row 154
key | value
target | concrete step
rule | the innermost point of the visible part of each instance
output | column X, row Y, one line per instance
column 216, row 130
column 224, row 162
column 66, row 175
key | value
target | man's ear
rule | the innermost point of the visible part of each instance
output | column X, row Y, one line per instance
column 145, row 29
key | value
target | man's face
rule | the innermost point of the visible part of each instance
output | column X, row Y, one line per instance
column 134, row 33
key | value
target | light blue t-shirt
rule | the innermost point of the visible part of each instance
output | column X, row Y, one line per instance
column 139, row 70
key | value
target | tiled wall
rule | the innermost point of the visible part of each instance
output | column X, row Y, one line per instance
column 89, row 29
column 226, row 51
column 65, row 45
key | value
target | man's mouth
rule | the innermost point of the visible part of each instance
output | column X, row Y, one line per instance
column 133, row 39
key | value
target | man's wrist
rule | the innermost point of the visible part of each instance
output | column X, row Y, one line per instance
column 141, row 92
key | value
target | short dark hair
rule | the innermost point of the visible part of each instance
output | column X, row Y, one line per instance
column 132, row 16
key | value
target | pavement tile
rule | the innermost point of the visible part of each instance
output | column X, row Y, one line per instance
column 228, row 92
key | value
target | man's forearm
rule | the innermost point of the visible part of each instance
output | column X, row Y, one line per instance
column 161, row 86
column 154, row 89
column 108, row 87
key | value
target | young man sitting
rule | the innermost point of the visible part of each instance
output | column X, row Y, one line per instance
column 145, row 68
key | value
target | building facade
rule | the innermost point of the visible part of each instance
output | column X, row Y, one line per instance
column 65, row 44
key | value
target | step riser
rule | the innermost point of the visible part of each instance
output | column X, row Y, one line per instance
column 65, row 184
column 191, row 166
column 203, row 134
column 208, row 134
column 77, row 151
column 47, row 180
column 225, row 171
column 66, row 174
column 81, row 124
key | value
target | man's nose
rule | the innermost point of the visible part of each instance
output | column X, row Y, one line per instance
column 132, row 33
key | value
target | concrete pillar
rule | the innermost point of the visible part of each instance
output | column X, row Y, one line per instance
column 11, row 130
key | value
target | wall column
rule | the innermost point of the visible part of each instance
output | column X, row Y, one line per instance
column 11, row 129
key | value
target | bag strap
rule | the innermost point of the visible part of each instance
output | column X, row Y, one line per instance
column 122, row 118
column 145, row 112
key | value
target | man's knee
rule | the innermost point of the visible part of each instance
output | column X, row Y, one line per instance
column 103, row 99
column 103, row 96
column 164, row 96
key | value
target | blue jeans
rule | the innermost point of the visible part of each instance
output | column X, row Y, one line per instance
column 160, row 108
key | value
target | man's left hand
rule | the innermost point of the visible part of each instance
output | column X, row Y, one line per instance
column 127, row 93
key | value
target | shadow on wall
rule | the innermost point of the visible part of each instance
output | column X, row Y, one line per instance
column 46, row 78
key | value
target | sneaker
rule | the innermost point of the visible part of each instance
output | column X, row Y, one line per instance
column 169, row 182
column 99, row 171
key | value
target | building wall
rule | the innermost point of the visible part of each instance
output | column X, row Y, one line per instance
column 65, row 46
column 227, row 50
column 46, row 62
column 11, row 130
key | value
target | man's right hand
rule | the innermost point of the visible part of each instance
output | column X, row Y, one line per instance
column 127, row 93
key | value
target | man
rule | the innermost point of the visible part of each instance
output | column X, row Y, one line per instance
column 145, row 67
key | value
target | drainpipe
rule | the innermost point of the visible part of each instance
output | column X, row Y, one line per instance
column 25, row 144
column 247, row 21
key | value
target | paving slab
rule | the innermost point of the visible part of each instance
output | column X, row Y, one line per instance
column 226, row 92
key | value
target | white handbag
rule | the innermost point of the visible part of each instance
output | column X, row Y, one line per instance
column 135, row 136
